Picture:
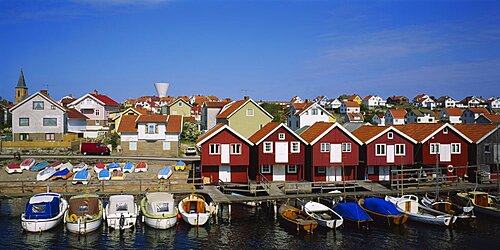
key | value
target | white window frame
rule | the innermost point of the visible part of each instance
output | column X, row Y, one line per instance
column 390, row 135
column 132, row 145
column 294, row 147
column 265, row 169
column 434, row 148
column 268, row 147
column 50, row 137
column 281, row 136
column 457, row 146
column 214, row 149
column 314, row 111
column 151, row 129
column 346, row 147
column 250, row 112
column 236, row 148
column 324, row 147
column 384, row 146
column 290, row 167
column 400, row 149
column 97, row 112
column 167, row 145
column 321, row 170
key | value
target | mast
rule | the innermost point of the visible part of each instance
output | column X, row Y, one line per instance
column 437, row 172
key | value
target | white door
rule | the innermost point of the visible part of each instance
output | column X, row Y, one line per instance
column 224, row 156
column 383, row 173
column 445, row 152
column 338, row 173
column 281, row 155
column 279, row 173
column 330, row 174
column 225, row 173
column 335, row 153
column 390, row 153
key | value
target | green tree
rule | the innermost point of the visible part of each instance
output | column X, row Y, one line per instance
column 190, row 132
column 276, row 110
column 109, row 138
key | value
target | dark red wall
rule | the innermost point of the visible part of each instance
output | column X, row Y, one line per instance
column 452, row 137
column 373, row 160
column 335, row 136
column 238, row 173
column 225, row 137
column 293, row 158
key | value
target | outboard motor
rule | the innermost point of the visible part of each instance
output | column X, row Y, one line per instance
column 122, row 221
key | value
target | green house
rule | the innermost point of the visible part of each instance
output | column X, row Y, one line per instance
column 244, row 116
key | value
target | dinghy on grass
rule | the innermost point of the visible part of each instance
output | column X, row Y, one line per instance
column 98, row 167
column 113, row 166
column 117, row 175
column 141, row 167
column 104, row 175
column 82, row 176
column 13, row 168
column 39, row 166
column 56, row 165
column 27, row 164
column 45, row 174
column 128, row 167
column 82, row 165
column 64, row 174
column 165, row 173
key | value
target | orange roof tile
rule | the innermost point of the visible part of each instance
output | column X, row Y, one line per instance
column 365, row 133
column 261, row 133
column 494, row 118
column 352, row 97
column 152, row 118
column 315, row 130
column 127, row 124
column 453, row 111
column 355, row 117
column 215, row 104
column 305, row 107
column 234, row 106
column 298, row 105
column 475, row 132
column 479, row 110
column 419, row 131
column 174, row 124
column 75, row 114
column 367, row 97
column 141, row 111
column 351, row 104
column 210, row 132
column 398, row 113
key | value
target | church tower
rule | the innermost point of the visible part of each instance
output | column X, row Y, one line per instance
column 21, row 89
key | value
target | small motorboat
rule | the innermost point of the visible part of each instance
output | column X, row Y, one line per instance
column 194, row 209
column 84, row 214
column 98, row 167
column 113, row 166
column 82, row 165
column 121, row 212
column 383, row 211
column 64, row 173
column 482, row 202
column 353, row 214
column 128, row 167
column 158, row 210
column 165, row 173
column 45, row 174
column 43, row 212
column 82, row 176
column 56, row 165
column 324, row 215
column 26, row 164
column 296, row 219
column 13, row 168
column 104, row 175
column 464, row 214
column 117, row 175
column 141, row 167
column 409, row 205
column 39, row 166
column 180, row 165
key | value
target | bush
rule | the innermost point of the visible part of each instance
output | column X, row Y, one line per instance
column 109, row 138
column 190, row 132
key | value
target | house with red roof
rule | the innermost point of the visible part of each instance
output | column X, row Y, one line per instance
column 354, row 117
column 225, row 155
column 385, row 148
column 278, row 154
column 77, row 122
column 372, row 101
column 332, row 153
column 488, row 119
column 97, row 107
column 398, row 100
column 470, row 115
column 395, row 116
column 306, row 114
column 471, row 101
column 451, row 115
column 349, row 107
column 446, row 102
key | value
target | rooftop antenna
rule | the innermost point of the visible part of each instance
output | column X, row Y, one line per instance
column 246, row 91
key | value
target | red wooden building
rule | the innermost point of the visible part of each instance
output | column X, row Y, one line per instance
column 440, row 144
column 278, row 154
column 225, row 155
column 332, row 153
column 385, row 148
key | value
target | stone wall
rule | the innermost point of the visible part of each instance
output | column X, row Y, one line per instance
column 151, row 148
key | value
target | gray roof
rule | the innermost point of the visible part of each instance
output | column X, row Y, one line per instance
column 351, row 126
column 21, row 83
column 421, row 112
column 301, row 130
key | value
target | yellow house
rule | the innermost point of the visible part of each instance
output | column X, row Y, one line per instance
column 179, row 107
column 355, row 98
column 130, row 111
column 244, row 116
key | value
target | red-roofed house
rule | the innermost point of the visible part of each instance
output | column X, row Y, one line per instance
column 225, row 155
column 372, row 101
column 306, row 114
column 488, row 119
column 470, row 115
column 279, row 154
column 451, row 115
column 77, row 122
column 354, row 117
column 349, row 107
column 332, row 153
column 395, row 116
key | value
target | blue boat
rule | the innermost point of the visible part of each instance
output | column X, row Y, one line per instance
column 104, row 175
column 353, row 214
column 82, row 176
column 43, row 212
column 39, row 166
column 64, row 173
column 129, row 167
column 383, row 211
column 180, row 165
column 113, row 166
column 165, row 173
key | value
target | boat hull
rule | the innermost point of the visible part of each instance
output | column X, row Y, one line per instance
column 40, row 225
column 424, row 214
column 83, row 227
column 113, row 221
column 487, row 211
column 27, row 164
column 194, row 219
column 324, row 215
column 163, row 223
column 301, row 221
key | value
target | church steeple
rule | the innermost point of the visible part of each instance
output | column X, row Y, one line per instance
column 21, row 83
column 21, row 89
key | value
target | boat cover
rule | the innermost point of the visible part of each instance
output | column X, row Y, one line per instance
column 61, row 173
column 160, row 202
column 39, row 166
column 113, row 165
column 165, row 171
column 180, row 163
column 104, row 174
column 380, row 206
column 121, row 204
column 42, row 206
column 81, row 175
column 128, row 165
column 351, row 211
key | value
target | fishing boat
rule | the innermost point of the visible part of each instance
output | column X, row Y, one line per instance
column 141, row 167
column 180, row 165
column 158, row 210
column 482, row 202
column 113, row 166
column 104, row 175
column 13, row 168
column 409, row 205
column 194, row 209
column 43, row 212
column 98, row 167
column 121, row 212
column 165, row 172
column 324, row 215
column 117, row 175
column 56, row 165
column 383, row 211
column 353, row 214
column 64, row 173
column 26, row 164
column 84, row 214
column 45, row 174
column 39, row 166
column 464, row 214
column 82, row 176
column 128, row 167
column 297, row 219
column 81, row 166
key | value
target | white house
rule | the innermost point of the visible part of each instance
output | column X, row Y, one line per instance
column 493, row 103
column 321, row 100
column 446, row 102
column 296, row 99
column 395, row 117
column 378, row 119
column 470, row 115
column 349, row 107
column 306, row 114
column 420, row 116
column 77, row 122
column 451, row 115
column 209, row 112
column 424, row 101
column 334, row 103
column 373, row 101
column 470, row 101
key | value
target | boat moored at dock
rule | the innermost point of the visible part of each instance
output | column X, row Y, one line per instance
column 84, row 214
column 43, row 212
column 121, row 212
column 158, row 210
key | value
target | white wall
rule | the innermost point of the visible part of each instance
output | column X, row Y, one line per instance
column 142, row 135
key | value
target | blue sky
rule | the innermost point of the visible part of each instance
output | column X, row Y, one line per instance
column 272, row 50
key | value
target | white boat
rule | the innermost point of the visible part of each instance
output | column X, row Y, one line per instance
column 45, row 174
column 27, row 164
column 158, row 210
column 13, row 168
column 128, row 167
column 141, row 167
column 463, row 213
column 82, row 176
column 121, row 212
column 324, row 215
column 165, row 172
column 482, row 202
column 409, row 205
column 67, row 165
column 81, row 166
column 84, row 214
column 194, row 210
column 104, row 175
column 43, row 212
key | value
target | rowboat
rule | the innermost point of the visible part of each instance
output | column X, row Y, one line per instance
column 383, row 211
column 158, row 210
column 113, row 166
column 98, row 167
column 104, row 175
column 296, row 219
column 39, row 166
column 117, row 175
column 194, row 209
column 324, row 215
column 180, row 165
column 353, row 214
column 82, row 165
column 464, row 214
column 141, row 167
column 45, row 174
column 13, row 168
column 409, row 205
column 56, row 165
column 121, row 212
column 43, row 212
column 27, row 163
column 82, row 176
column 84, row 214
column 482, row 203
column 128, row 167
column 164, row 173
column 64, row 173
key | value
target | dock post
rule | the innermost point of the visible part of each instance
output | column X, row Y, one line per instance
column 217, row 213
column 229, row 213
column 275, row 210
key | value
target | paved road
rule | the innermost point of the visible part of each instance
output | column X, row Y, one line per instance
column 185, row 159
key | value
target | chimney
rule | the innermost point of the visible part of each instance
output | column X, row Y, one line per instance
column 44, row 92
column 246, row 97
column 307, row 100
column 95, row 92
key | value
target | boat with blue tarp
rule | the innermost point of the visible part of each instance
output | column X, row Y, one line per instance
column 353, row 214
column 128, row 167
column 383, row 211
column 43, row 212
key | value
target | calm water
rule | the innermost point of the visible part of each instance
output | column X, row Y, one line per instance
column 249, row 228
